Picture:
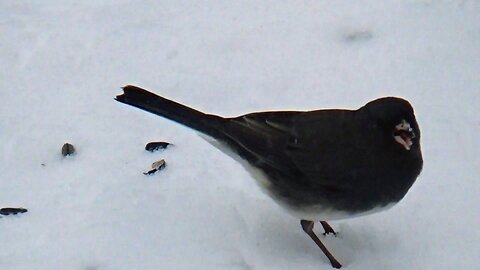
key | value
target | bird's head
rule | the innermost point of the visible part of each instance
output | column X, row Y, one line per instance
column 396, row 118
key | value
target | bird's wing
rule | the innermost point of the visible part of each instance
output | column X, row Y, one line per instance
column 262, row 138
column 328, row 149
column 303, row 146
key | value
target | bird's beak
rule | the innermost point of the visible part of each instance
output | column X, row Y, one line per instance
column 403, row 134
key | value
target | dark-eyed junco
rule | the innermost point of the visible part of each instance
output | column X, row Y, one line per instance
column 319, row 165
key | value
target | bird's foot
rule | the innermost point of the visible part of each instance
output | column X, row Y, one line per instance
column 327, row 228
column 307, row 227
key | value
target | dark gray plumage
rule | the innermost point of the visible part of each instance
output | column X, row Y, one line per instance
column 320, row 165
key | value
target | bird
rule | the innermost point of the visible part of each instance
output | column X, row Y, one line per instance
column 318, row 165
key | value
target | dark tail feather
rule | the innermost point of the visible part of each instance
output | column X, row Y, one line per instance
column 148, row 101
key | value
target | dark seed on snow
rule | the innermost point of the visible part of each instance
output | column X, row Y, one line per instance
column 154, row 146
column 12, row 211
column 156, row 166
column 68, row 149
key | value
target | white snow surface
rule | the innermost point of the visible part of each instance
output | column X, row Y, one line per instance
column 62, row 62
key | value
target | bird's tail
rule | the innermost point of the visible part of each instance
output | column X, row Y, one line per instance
column 148, row 101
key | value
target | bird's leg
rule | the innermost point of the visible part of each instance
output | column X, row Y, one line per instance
column 327, row 228
column 307, row 227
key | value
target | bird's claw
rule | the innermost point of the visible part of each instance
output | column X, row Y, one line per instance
column 330, row 232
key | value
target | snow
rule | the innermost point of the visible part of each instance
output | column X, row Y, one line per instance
column 64, row 61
